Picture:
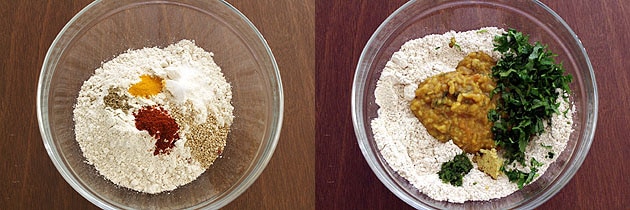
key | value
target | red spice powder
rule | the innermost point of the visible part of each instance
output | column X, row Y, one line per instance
column 160, row 125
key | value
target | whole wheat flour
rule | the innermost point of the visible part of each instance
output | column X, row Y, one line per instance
column 176, row 91
column 417, row 156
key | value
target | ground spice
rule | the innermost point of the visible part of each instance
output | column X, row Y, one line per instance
column 147, row 87
column 115, row 100
column 160, row 125
column 205, row 140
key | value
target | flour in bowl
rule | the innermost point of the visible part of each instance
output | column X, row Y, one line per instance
column 416, row 155
column 154, row 119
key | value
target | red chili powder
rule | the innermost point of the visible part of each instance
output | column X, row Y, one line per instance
column 160, row 125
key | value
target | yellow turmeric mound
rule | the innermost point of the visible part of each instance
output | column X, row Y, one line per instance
column 147, row 87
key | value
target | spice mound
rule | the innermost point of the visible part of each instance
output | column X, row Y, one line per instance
column 159, row 125
column 154, row 119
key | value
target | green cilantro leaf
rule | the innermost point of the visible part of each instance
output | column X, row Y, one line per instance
column 454, row 170
column 527, row 78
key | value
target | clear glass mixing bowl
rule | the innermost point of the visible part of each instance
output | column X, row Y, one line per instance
column 417, row 19
column 105, row 29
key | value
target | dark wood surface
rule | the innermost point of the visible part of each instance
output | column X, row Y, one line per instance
column 344, row 180
column 317, row 161
column 29, row 180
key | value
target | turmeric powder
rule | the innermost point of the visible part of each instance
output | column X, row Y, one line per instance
column 147, row 87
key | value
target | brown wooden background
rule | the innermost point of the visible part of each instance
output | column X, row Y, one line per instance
column 29, row 180
column 317, row 162
column 344, row 180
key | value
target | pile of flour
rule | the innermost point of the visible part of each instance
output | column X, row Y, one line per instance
column 417, row 156
column 109, row 138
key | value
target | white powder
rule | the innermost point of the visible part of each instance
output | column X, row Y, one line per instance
column 417, row 156
column 109, row 138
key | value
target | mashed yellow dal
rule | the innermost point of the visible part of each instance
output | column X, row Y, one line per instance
column 455, row 105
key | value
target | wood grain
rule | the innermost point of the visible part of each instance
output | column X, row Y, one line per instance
column 28, row 178
column 288, row 182
column 317, row 162
column 344, row 180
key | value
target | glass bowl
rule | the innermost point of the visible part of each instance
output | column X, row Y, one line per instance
column 417, row 19
column 105, row 29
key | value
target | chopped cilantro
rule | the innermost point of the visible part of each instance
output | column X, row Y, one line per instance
column 454, row 170
column 527, row 78
column 453, row 43
column 550, row 155
column 545, row 146
column 437, row 48
column 482, row 31
column 521, row 178
column 535, row 163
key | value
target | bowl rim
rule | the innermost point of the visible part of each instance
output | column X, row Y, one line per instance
column 246, row 181
column 358, row 116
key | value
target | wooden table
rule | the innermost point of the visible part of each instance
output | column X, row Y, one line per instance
column 344, row 180
column 29, row 180
column 299, row 37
